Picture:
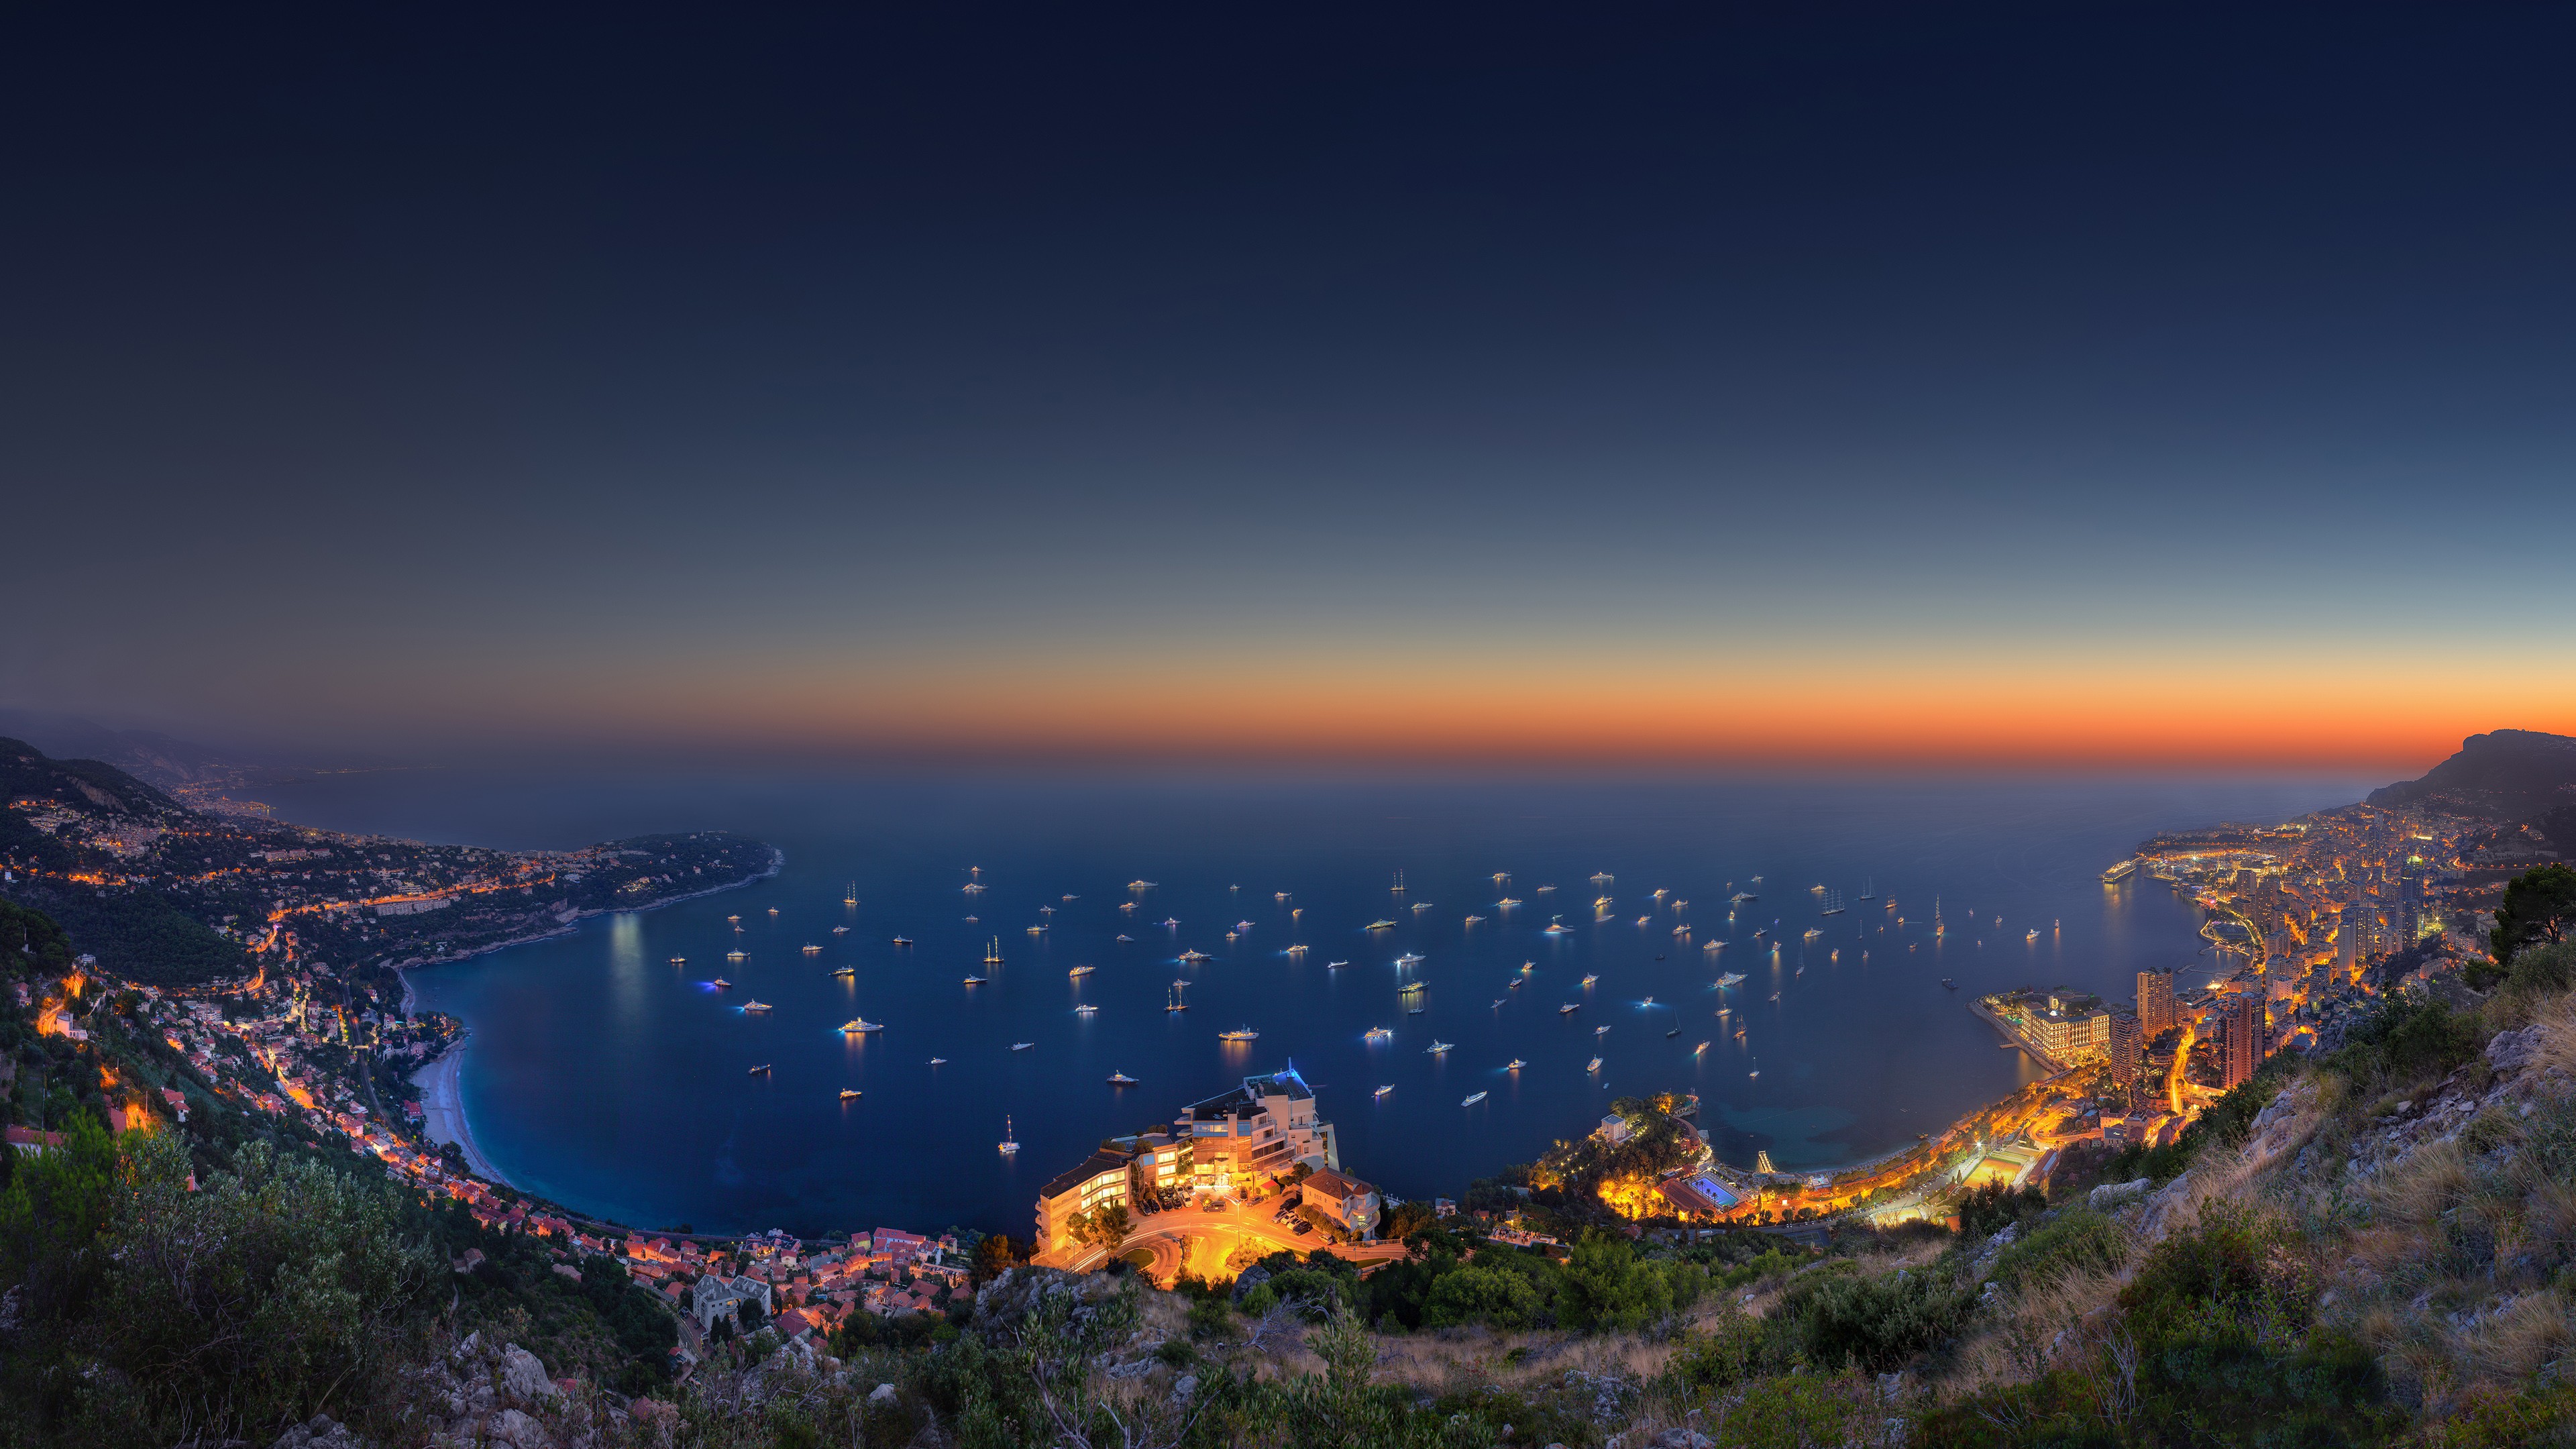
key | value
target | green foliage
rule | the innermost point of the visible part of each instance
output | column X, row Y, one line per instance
column 1876, row 1322
column 31, row 943
column 265, row 1298
column 2535, row 972
column 1607, row 1286
column 1988, row 1207
column 1475, row 1293
column 279, row 1290
column 1210, row 1317
column 2542, row 1416
column 2077, row 1240
column 2406, row 1037
column 59, row 1201
column 2539, row 905
column 1724, row 1351
column 1105, row 1226
column 137, row 934
column 1405, row 1219
column 996, row 1253
column 1798, row 1411
column 2217, row 1345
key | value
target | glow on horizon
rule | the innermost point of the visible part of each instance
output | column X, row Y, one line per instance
column 2123, row 709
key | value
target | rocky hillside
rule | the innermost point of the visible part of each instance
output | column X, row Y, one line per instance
column 2505, row 775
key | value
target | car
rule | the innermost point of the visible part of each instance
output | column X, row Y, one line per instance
column 1302, row 1229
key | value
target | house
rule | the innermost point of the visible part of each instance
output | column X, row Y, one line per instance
column 1346, row 1200
column 29, row 1140
column 896, row 1245
column 717, row 1297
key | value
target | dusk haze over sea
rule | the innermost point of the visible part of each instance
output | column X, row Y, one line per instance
column 1740, row 725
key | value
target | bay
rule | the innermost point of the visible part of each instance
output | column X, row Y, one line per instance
column 604, row 1077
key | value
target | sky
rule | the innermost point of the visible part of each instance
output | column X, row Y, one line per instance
column 1811, row 384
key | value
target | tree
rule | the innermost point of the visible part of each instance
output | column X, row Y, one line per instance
column 1106, row 1225
column 2539, row 906
column 1472, row 1293
column 994, row 1255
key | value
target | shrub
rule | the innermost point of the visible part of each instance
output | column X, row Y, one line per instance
column 2406, row 1038
column 1879, row 1322
column 1990, row 1207
column 2077, row 1240
column 1474, row 1293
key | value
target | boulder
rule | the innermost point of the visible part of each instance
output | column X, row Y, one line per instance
column 2162, row 1205
column 1182, row 1390
column 518, row 1431
column 883, row 1396
column 2111, row 1194
column 1251, row 1278
column 2512, row 1051
column 1683, row 1439
column 523, row 1379
column 319, row 1432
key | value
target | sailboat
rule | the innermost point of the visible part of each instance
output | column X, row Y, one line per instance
column 850, row 897
column 1006, row 1144
column 1867, row 890
column 993, row 952
column 1172, row 1002
column 1833, row 904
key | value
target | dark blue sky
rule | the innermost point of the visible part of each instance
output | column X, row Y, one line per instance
column 468, row 374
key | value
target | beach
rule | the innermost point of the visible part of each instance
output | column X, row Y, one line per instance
column 442, row 1107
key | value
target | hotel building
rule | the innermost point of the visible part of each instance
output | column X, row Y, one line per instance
column 1263, row 1128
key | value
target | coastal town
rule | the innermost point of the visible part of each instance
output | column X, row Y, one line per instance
column 2305, row 923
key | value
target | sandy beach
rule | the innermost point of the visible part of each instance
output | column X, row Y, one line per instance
column 442, row 1107
column 442, row 1098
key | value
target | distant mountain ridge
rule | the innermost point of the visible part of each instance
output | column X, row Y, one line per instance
column 2505, row 775
column 158, row 759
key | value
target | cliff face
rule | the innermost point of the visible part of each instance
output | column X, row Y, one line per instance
column 2506, row 775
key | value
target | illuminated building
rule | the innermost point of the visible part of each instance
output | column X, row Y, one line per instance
column 2128, row 1052
column 2240, row 1038
column 2155, row 1003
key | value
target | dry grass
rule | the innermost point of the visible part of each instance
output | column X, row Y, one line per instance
column 2556, row 1018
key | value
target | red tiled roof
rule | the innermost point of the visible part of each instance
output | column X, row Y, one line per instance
column 1337, row 1185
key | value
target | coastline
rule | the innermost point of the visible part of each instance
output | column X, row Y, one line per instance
column 442, row 1110
column 403, row 970
column 442, row 1093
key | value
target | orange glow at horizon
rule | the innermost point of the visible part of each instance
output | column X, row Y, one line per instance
column 2116, row 705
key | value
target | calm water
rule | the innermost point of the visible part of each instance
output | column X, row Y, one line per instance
column 605, row 1077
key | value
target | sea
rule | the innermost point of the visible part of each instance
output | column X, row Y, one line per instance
column 607, row 1071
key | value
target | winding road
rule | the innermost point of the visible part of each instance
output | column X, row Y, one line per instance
column 1200, row 1240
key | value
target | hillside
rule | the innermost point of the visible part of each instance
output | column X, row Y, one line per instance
column 161, row 760
column 166, row 895
column 2509, row 775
